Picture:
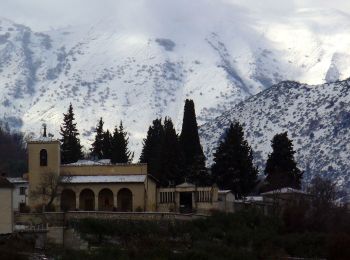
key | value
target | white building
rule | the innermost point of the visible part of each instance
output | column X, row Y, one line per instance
column 19, row 193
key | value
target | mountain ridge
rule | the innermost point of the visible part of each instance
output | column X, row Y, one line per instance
column 316, row 117
column 111, row 70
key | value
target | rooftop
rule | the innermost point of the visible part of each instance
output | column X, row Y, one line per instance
column 286, row 190
column 16, row 180
column 42, row 139
column 99, row 163
column 105, row 179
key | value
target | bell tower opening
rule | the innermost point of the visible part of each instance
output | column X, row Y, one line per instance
column 43, row 157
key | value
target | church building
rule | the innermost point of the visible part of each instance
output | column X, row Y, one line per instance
column 102, row 186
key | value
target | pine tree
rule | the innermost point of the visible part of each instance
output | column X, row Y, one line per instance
column 120, row 150
column 71, row 150
column 97, row 145
column 233, row 167
column 171, row 156
column 152, row 148
column 194, row 159
column 107, row 145
column 281, row 168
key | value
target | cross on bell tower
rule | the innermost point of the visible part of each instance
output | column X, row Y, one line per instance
column 44, row 130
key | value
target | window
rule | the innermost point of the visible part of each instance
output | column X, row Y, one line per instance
column 203, row 196
column 43, row 157
column 167, row 197
column 22, row 190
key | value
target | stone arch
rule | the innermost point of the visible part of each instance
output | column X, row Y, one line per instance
column 43, row 157
column 105, row 200
column 124, row 200
column 68, row 200
column 87, row 200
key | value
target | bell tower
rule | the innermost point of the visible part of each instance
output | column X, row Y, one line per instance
column 44, row 157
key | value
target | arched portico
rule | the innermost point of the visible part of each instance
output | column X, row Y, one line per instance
column 124, row 200
column 105, row 200
column 87, row 200
column 68, row 200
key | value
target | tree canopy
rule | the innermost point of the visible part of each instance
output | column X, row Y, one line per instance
column 233, row 167
column 71, row 150
column 119, row 149
column 97, row 145
column 194, row 159
column 281, row 167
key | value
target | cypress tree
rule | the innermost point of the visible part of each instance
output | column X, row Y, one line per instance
column 281, row 168
column 120, row 150
column 194, row 159
column 171, row 156
column 107, row 145
column 233, row 163
column 152, row 148
column 71, row 150
column 97, row 145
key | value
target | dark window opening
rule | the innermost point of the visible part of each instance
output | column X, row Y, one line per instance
column 43, row 157
column 22, row 190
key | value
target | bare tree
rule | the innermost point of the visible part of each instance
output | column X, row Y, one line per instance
column 323, row 192
column 49, row 188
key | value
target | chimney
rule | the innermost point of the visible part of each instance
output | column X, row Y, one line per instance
column 44, row 134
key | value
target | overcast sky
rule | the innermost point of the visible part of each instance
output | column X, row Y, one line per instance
column 45, row 14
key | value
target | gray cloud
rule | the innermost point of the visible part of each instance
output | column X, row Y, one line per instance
column 160, row 15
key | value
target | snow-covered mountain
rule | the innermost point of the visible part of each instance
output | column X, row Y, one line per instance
column 317, row 118
column 122, row 72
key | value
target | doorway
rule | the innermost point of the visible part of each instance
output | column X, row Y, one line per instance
column 185, row 202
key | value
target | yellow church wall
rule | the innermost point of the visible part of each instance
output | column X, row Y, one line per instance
column 116, row 169
column 151, row 194
column 35, row 171
column 138, row 193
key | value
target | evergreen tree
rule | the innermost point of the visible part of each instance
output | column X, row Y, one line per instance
column 171, row 156
column 71, row 150
column 120, row 150
column 194, row 159
column 152, row 148
column 107, row 145
column 281, row 168
column 233, row 167
column 97, row 145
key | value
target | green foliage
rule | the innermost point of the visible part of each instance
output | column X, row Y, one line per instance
column 107, row 145
column 171, row 156
column 194, row 159
column 152, row 148
column 233, row 167
column 119, row 150
column 13, row 158
column 97, row 145
column 71, row 150
column 281, row 168
column 247, row 234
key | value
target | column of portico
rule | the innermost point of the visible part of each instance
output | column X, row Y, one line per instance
column 77, row 200
column 96, row 201
column 115, row 202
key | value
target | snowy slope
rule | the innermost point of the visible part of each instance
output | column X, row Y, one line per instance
column 120, row 72
column 317, row 118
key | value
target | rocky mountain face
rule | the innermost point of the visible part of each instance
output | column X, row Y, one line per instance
column 113, row 70
column 316, row 117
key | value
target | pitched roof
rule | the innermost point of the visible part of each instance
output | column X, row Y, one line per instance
column 185, row 185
